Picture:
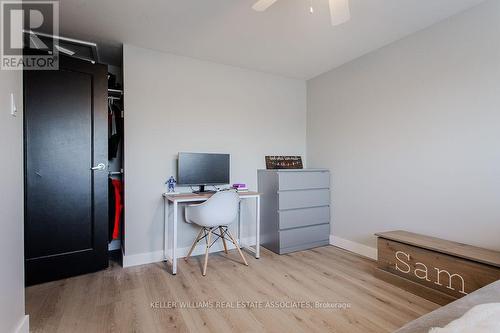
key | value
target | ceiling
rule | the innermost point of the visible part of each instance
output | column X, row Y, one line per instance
column 286, row 39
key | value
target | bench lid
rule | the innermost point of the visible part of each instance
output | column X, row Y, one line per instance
column 455, row 249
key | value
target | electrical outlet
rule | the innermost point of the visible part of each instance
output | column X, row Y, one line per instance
column 13, row 108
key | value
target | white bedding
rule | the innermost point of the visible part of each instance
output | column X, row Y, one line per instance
column 484, row 318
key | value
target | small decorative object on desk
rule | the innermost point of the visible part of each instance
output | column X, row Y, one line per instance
column 284, row 162
column 240, row 187
column 171, row 185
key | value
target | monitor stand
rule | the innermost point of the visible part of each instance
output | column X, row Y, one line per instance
column 203, row 191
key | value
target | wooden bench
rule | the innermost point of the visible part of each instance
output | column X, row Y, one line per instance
column 436, row 269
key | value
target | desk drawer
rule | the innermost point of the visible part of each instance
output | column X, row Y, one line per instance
column 301, row 237
column 304, row 217
column 304, row 180
column 303, row 199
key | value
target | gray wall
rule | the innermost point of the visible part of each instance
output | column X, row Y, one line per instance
column 11, row 204
column 411, row 134
column 177, row 104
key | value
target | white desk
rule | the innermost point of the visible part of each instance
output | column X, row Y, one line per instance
column 170, row 240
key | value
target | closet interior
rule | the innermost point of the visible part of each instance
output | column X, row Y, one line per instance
column 115, row 158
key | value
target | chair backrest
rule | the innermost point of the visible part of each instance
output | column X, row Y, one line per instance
column 220, row 209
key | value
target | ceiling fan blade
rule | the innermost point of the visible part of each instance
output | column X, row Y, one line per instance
column 262, row 5
column 339, row 11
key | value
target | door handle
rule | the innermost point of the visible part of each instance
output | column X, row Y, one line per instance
column 99, row 167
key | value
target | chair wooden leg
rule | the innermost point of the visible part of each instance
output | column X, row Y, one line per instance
column 206, row 251
column 237, row 246
column 194, row 244
column 221, row 230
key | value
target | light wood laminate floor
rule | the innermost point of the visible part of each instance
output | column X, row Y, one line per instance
column 123, row 300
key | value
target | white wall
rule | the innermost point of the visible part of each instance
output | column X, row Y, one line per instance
column 411, row 134
column 177, row 104
column 12, row 316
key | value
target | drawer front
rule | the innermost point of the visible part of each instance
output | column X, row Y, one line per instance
column 304, row 180
column 304, row 217
column 302, row 236
column 303, row 199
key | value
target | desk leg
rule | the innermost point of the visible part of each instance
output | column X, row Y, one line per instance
column 165, row 223
column 255, row 251
column 239, row 224
column 174, row 243
column 257, row 227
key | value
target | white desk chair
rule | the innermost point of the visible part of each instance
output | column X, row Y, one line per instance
column 217, row 213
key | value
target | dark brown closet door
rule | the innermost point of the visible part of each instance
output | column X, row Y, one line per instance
column 66, row 201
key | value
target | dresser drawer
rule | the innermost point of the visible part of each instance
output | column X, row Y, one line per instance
column 304, row 217
column 303, row 199
column 304, row 180
column 295, row 238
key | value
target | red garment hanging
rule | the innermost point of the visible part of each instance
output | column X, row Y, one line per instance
column 118, row 186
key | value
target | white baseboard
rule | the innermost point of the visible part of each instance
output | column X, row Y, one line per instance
column 24, row 325
column 354, row 247
column 157, row 256
column 142, row 258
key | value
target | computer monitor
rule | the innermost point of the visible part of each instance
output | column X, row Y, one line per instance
column 199, row 169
